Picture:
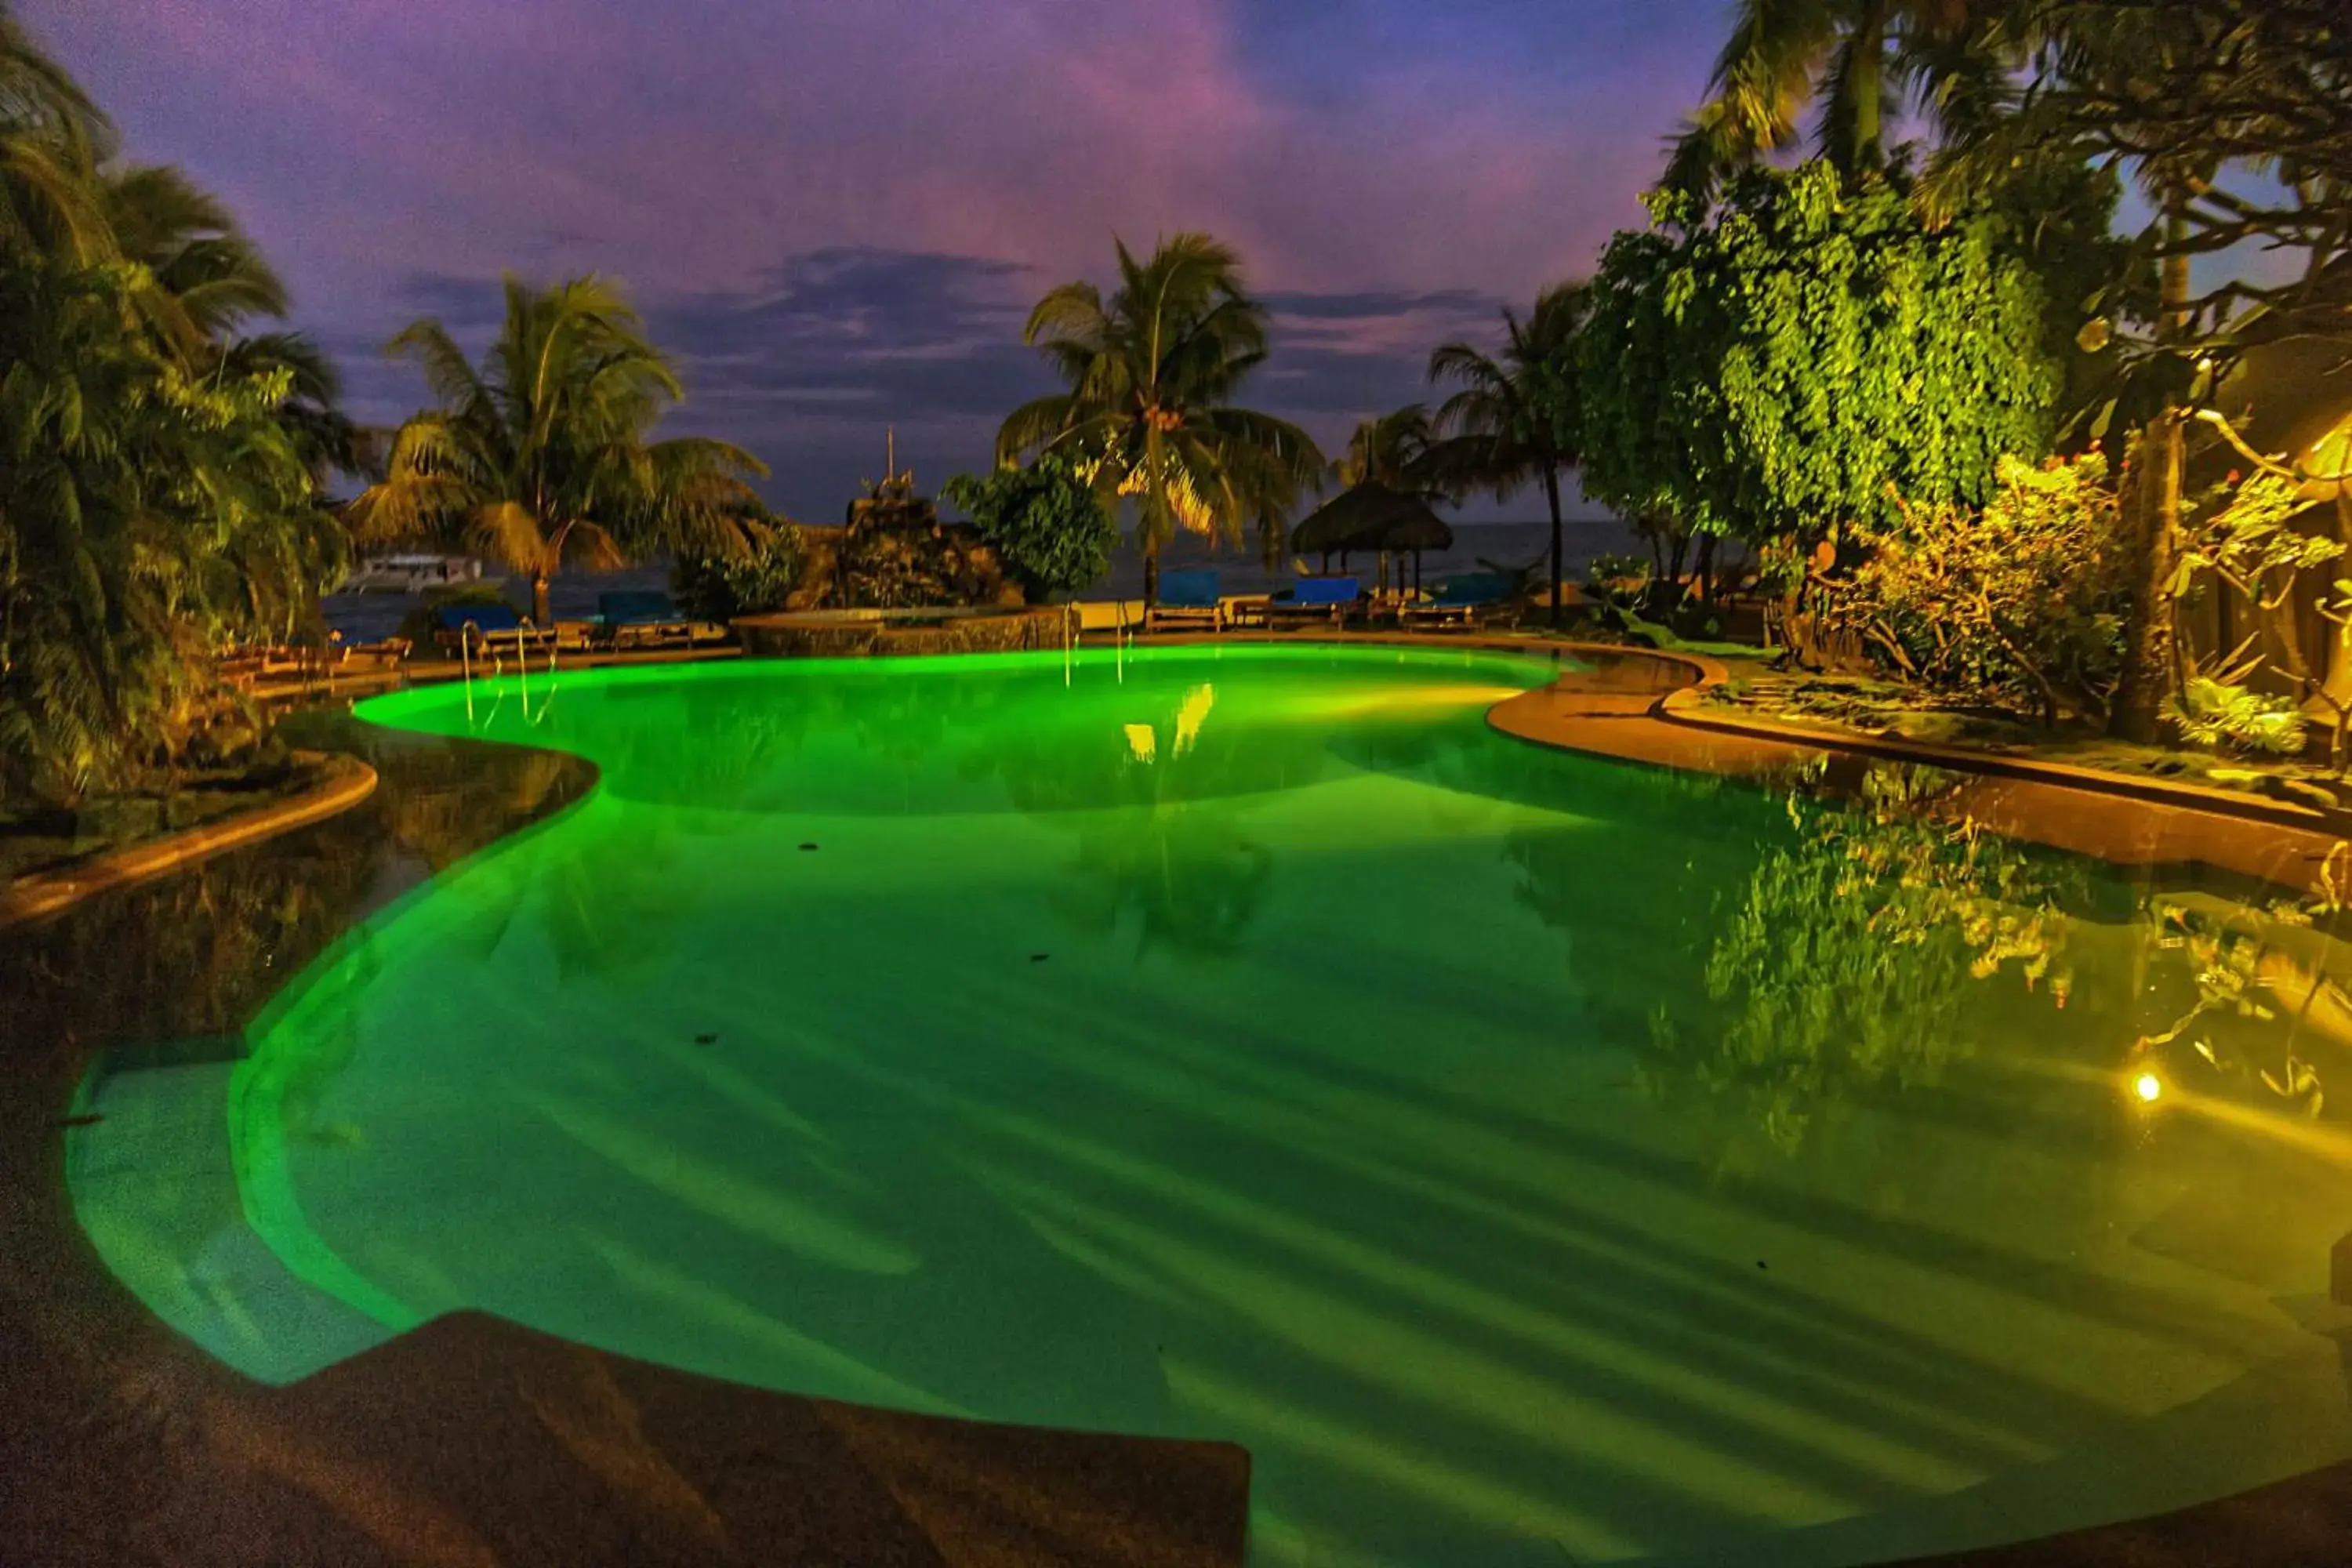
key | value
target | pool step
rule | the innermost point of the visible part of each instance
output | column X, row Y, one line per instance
column 153, row 1184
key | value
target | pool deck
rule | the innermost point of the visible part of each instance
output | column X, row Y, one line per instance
column 475, row 1441
column 2107, row 817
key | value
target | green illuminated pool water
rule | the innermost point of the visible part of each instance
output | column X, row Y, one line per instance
column 1531, row 1159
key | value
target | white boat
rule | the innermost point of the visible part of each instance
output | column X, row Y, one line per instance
column 410, row 573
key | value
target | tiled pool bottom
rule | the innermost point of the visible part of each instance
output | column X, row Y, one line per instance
column 1358, row 1090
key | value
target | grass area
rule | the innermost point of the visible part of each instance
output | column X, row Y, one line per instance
column 41, row 839
column 1866, row 706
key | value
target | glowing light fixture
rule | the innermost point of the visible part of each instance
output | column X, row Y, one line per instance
column 2149, row 1086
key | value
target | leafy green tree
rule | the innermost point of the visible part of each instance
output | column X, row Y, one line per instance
column 1782, row 368
column 2242, row 536
column 1517, row 417
column 145, row 518
column 1046, row 523
column 1150, row 414
column 542, row 456
column 205, row 284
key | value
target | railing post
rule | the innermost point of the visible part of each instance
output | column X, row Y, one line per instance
column 465, row 662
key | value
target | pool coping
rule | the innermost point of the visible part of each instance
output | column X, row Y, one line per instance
column 1686, row 706
column 347, row 781
column 1689, row 706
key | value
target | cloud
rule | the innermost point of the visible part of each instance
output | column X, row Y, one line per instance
column 374, row 138
column 839, row 341
column 808, row 367
column 1390, row 171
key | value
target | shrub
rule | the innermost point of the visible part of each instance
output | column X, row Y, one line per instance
column 720, row 587
column 2212, row 712
column 1049, row 531
column 2020, row 602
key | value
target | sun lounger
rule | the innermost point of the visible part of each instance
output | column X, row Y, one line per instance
column 365, row 658
column 1462, row 601
column 242, row 667
column 637, row 618
column 494, row 627
column 1187, row 600
column 1317, row 599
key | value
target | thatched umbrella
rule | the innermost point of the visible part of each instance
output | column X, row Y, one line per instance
column 1371, row 516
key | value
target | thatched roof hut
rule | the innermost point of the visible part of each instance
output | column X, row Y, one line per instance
column 1367, row 517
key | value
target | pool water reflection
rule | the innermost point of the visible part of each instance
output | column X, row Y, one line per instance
column 1522, row 1154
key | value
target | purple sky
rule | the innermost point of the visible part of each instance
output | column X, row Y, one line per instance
column 836, row 212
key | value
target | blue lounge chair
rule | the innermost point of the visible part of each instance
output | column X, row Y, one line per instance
column 1462, row 601
column 485, row 625
column 1317, row 599
column 1188, row 600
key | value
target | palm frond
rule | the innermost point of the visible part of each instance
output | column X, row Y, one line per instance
column 1034, row 426
column 507, row 531
column 1072, row 314
column 447, row 373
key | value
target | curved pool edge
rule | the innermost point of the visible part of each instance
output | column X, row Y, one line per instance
column 473, row 1439
column 272, row 1209
column 348, row 781
column 414, row 1413
column 2107, row 817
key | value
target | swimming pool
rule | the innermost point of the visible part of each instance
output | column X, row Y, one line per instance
column 1528, row 1157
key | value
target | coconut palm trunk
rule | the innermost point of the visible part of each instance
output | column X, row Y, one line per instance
column 1865, row 90
column 2148, row 673
column 1551, row 494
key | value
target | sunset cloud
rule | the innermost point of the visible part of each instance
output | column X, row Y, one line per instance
column 838, row 214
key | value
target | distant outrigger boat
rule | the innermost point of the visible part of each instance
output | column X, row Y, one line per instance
column 410, row 573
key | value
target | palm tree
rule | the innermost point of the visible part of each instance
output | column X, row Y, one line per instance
column 1515, row 418
column 540, row 456
column 326, row 438
column 1844, row 56
column 146, row 517
column 207, row 282
column 1392, row 449
column 156, row 500
column 52, row 140
column 1149, row 413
